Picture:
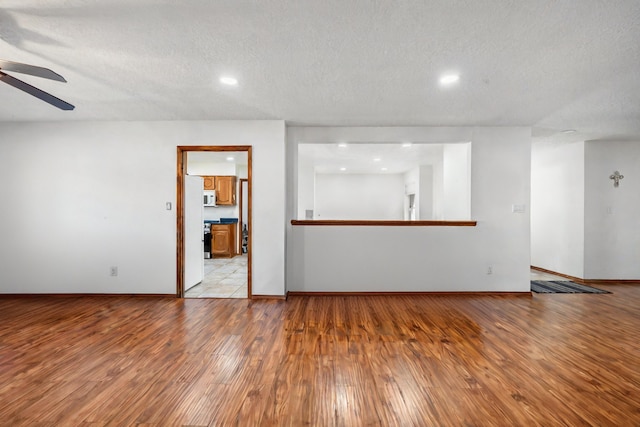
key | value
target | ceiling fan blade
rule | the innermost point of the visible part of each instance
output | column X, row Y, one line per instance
column 33, row 70
column 46, row 97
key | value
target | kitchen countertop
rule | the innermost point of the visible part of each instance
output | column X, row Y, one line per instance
column 221, row 221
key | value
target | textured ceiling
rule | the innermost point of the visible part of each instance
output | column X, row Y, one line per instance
column 551, row 64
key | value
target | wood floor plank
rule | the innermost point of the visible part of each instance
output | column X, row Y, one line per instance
column 443, row 360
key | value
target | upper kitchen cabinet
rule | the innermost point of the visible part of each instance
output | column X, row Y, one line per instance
column 225, row 187
column 209, row 182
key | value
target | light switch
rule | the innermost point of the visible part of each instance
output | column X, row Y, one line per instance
column 517, row 208
column 168, row 205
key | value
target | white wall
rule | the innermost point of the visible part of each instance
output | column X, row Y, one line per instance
column 580, row 224
column 81, row 197
column 220, row 211
column 456, row 187
column 612, row 215
column 557, row 207
column 438, row 189
column 425, row 201
column 242, row 171
column 341, row 258
column 306, row 187
column 210, row 168
column 359, row 196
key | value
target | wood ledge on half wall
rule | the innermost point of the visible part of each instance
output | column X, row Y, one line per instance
column 408, row 293
column 393, row 223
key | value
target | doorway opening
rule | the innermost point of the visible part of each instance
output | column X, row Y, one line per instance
column 238, row 229
column 411, row 207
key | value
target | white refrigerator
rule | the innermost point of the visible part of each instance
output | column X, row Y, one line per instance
column 193, row 231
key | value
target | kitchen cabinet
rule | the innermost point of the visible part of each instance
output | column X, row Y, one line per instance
column 223, row 240
column 225, row 190
column 225, row 187
column 209, row 182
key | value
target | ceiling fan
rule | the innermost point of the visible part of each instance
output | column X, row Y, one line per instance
column 33, row 70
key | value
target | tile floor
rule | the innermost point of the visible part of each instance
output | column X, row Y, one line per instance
column 223, row 278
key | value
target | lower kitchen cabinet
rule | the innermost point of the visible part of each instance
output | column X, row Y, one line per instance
column 223, row 240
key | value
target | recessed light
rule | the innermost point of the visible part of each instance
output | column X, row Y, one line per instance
column 383, row 169
column 343, row 169
column 406, row 145
column 448, row 79
column 342, row 145
column 376, row 159
column 569, row 131
column 228, row 80
column 230, row 159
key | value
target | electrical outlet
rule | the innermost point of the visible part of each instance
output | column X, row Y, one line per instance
column 489, row 270
column 517, row 208
column 113, row 271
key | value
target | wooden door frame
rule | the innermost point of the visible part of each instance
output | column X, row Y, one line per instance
column 182, row 151
column 241, row 203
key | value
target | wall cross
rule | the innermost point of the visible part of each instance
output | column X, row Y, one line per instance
column 616, row 177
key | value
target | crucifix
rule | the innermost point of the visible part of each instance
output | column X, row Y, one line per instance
column 616, row 177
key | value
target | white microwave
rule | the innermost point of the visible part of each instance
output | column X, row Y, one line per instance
column 209, row 197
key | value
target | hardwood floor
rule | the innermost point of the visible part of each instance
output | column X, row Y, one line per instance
column 545, row 360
